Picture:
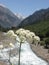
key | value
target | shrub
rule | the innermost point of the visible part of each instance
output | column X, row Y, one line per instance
column 47, row 43
column 42, row 43
column 47, row 33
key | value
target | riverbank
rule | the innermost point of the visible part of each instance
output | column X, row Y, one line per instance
column 40, row 51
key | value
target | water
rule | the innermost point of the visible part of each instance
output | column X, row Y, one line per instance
column 28, row 57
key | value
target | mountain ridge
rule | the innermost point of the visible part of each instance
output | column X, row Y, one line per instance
column 7, row 18
column 38, row 22
column 37, row 16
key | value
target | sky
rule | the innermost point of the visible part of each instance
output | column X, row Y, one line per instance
column 25, row 7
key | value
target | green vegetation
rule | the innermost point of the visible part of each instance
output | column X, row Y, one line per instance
column 41, row 29
column 42, row 43
column 47, row 43
column 6, row 29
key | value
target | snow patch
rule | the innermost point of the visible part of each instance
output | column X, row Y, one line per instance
column 21, row 17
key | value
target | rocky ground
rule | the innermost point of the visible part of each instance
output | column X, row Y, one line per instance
column 3, row 63
column 5, row 41
column 40, row 51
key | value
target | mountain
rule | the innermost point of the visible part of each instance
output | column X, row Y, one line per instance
column 21, row 17
column 7, row 18
column 38, row 23
column 41, row 15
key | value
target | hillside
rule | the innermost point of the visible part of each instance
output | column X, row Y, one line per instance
column 38, row 22
column 7, row 18
column 39, row 28
column 38, row 16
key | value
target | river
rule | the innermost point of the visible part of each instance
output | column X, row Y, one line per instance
column 28, row 57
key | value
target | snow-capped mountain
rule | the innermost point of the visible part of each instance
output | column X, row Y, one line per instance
column 21, row 17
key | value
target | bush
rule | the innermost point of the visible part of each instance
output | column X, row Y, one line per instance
column 42, row 43
column 47, row 33
column 47, row 43
column 41, row 35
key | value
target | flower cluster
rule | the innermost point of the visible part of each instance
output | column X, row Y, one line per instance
column 23, row 35
column 11, row 34
column 30, row 36
column 36, row 40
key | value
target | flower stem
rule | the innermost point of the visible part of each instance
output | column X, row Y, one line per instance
column 19, row 54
